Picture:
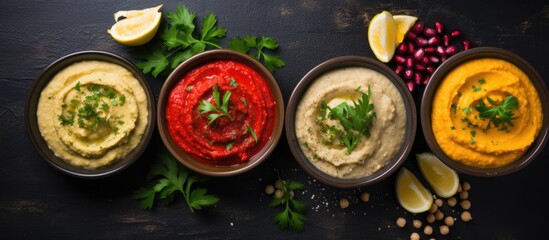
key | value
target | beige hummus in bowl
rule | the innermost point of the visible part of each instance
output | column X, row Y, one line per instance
column 90, row 114
column 350, row 122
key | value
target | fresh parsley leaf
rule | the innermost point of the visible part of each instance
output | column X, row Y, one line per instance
column 248, row 43
column 499, row 114
column 220, row 109
column 173, row 178
column 293, row 215
column 180, row 40
column 354, row 119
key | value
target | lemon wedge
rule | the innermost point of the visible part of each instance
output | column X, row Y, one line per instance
column 136, row 27
column 403, row 24
column 382, row 36
column 443, row 180
column 411, row 194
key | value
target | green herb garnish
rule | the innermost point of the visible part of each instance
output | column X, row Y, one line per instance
column 233, row 83
column 355, row 119
column 248, row 43
column 499, row 114
column 173, row 178
column 220, row 109
column 180, row 40
column 293, row 215
column 252, row 132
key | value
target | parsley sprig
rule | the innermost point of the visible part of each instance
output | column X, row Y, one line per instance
column 355, row 119
column 248, row 43
column 173, row 178
column 499, row 114
column 293, row 215
column 220, row 109
column 180, row 39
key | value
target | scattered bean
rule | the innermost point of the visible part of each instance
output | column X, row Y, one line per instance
column 414, row 236
column 452, row 201
column 343, row 203
column 466, row 216
column 466, row 186
column 464, row 194
column 438, row 202
column 444, row 230
column 433, row 208
column 269, row 189
column 449, row 220
column 465, row 204
column 278, row 193
column 401, row 222
column 365, row 196
column 417, row 223
column 431, row 218
column 439, row 215
column 428, row 230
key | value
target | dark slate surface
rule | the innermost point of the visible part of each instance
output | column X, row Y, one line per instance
column 38, row 202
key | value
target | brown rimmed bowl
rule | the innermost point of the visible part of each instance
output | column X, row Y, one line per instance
column 187, row 160
column 395, row 162
column 448, row 66
column 40, row 144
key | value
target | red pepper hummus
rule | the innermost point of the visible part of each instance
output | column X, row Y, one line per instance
column 221, row 113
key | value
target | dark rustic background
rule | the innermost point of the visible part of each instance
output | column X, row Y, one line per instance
column 38, row 202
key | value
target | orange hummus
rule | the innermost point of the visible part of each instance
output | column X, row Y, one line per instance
column 467, row 137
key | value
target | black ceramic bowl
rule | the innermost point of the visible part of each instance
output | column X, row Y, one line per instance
column 40, row 144
column 189, row 161
column 448, row 66
column 395, row 162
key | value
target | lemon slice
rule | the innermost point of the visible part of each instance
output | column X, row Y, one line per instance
column 443, row 180
column 411, row 194
column 403, row 25
column 136, row 27
column 382, row 36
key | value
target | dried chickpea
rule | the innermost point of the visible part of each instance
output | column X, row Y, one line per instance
column 465, row 204
column 417, row 223
column 414, row 236
column 401, row 222
column 459, row 188
column 439, row 215
column 433, row 208
column 466, row 186
column 438, row 202
column 343, row 203
column 365, row 196
column 278, row 183
column 449, row 220
column 444, row 230
column 452, row 201
column 431, row 218
column 428, row 230
column 278, row 193
column 464, row 194
column 466, row 216
column 269, row 189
